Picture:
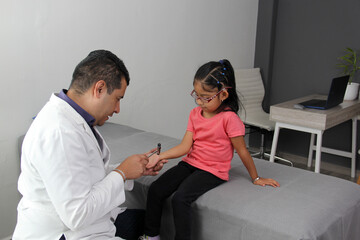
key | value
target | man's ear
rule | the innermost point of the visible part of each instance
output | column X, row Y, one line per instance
column 99, row 88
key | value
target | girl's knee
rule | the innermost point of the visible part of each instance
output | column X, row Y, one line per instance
column 178, row 199
column 155, row 190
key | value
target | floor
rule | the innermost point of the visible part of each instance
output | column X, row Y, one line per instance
column 326, row 168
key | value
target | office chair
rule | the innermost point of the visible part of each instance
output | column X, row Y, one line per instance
column 358, row 181
column 251, row 87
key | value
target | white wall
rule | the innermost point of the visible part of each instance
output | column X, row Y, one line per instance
column 162, row 43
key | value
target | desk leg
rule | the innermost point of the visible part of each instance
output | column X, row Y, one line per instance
column 318, row 151
column 353, row 147
column 274, row 143
column 311, row 150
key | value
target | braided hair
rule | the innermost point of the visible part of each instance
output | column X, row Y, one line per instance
column 219, row 75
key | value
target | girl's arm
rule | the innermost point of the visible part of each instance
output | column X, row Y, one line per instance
column 240, row 147
column 175, row 152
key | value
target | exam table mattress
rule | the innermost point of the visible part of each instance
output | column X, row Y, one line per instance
column 306, row 206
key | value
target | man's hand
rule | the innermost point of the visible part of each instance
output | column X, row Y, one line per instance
column 134, row 166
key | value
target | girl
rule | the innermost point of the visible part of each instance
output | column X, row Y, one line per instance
column 214, row 130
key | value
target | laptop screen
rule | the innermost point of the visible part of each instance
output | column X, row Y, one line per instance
column 337, row 91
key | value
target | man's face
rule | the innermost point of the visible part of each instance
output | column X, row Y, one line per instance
column 110, row 104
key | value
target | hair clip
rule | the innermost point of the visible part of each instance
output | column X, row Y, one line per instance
column 221, row 61
column 223, row 74
column 218, row 82
column 224, row 68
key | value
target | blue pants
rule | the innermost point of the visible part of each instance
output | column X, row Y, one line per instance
column 188, row 183
column 130, row 224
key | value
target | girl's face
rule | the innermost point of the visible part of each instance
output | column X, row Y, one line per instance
column 216, row 96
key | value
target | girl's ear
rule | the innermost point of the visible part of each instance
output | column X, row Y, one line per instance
column 224, row 95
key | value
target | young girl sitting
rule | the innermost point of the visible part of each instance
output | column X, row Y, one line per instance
column 214, row 130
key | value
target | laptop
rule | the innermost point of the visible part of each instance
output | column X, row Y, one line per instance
column 335, row 97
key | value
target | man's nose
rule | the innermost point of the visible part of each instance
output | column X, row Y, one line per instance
column 117, row 108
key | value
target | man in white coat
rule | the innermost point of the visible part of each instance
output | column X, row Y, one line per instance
column 69, row 190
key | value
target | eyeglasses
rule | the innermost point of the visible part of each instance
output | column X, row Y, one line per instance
column 206, row 100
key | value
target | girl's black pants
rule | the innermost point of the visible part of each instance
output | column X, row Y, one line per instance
column 187, row 183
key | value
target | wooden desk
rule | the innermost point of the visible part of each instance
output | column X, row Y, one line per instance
column 315, row 122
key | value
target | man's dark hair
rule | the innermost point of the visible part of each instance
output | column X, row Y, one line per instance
column 99, row 65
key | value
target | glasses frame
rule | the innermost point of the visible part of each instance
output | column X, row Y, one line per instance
column 206, row 100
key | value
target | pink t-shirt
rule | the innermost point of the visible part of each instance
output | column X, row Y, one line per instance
column 212, row 150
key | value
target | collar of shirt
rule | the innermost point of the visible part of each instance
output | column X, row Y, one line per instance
column 88, row 118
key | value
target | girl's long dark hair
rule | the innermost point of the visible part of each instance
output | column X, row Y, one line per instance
column 217, row 75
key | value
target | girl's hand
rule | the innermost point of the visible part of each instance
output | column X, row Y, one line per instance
column 160, row 165
column 155, row 170
column 153, row 160
column 267, row 181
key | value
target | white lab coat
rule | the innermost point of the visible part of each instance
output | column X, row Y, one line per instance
column 66, row 181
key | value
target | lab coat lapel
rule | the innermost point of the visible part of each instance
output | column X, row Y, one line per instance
column 103, row 151
column 100, row 143
column 104, row 148
column 93, row 138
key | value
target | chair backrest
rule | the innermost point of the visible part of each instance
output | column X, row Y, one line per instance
column 251, row 87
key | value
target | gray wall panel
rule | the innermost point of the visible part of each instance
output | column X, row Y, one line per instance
column 308, row 36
